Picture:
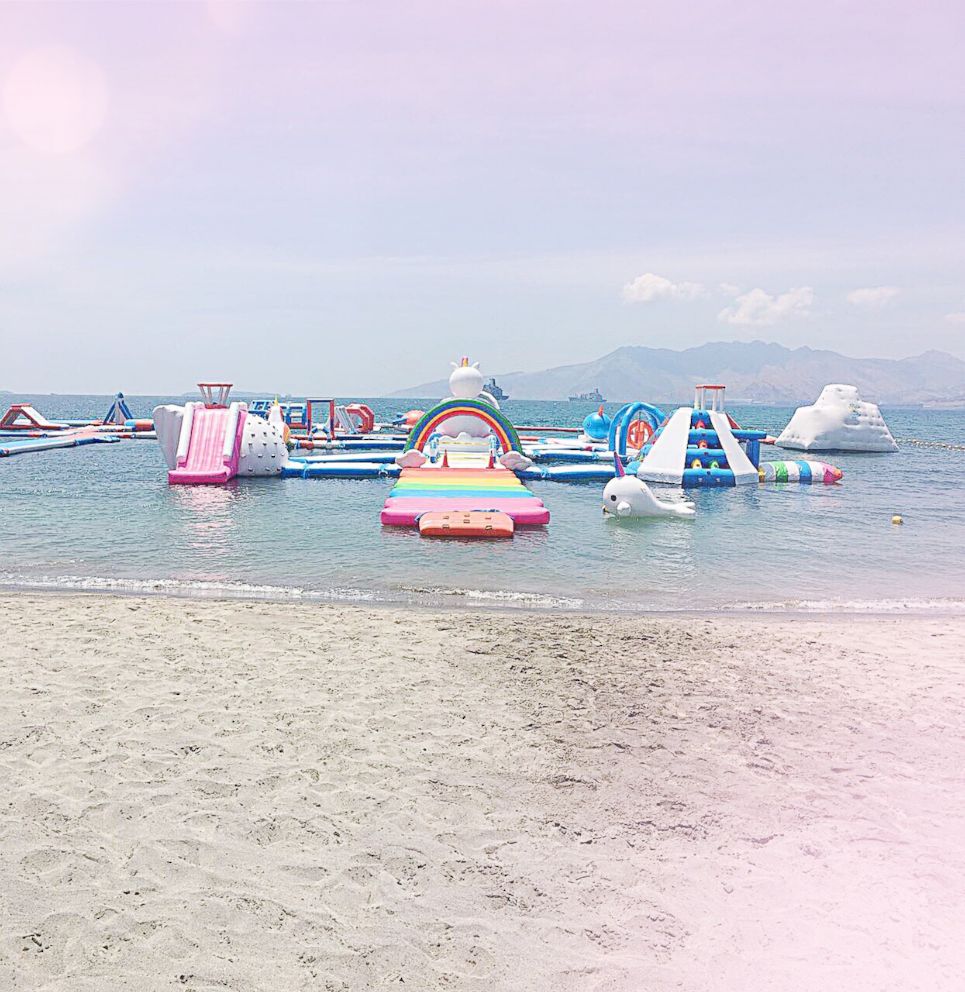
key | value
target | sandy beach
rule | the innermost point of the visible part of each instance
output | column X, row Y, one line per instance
column 261, row 796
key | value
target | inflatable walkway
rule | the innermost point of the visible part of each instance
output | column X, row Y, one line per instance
column 209, row 446
column 64, row 440
column 461, row 490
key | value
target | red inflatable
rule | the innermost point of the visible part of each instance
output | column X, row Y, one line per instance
column 362, row 416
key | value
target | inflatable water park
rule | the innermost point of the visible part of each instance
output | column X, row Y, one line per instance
column 462, row 468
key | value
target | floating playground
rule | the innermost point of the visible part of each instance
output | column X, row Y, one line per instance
column 461, row 468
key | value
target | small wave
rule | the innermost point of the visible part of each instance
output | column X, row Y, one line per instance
column 211, row 589
column 910, row 606
column 535, row 600
column 185, row 587
column 436, row 596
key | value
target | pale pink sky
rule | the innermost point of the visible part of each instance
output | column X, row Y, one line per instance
column 378, row 187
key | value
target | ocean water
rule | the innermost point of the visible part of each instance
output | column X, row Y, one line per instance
column 103, row 517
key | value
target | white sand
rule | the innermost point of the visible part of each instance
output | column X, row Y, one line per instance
column 256, row 796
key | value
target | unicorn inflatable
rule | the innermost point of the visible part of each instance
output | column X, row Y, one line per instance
column 466, row 383
column 627, row 496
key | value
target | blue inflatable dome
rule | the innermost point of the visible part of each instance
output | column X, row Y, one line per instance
column 597, row 425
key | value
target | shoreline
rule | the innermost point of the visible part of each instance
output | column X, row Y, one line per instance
column 249, row 795
column 482, row 601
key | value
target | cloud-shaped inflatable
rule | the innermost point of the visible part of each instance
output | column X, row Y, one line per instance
column 411, row 459
column 513, row 460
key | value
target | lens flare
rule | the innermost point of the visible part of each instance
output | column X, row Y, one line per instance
column 55, row 100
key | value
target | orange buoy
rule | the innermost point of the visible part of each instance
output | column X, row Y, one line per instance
column 638, row 434
column 472, row 523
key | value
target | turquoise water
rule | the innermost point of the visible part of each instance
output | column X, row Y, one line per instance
column 103, row 517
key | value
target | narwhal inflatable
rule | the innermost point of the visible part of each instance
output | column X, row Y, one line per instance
column 628, row 496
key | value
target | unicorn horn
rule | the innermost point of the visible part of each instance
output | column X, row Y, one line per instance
column 618, row 465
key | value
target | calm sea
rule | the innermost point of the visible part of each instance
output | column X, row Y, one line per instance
column 102, row 517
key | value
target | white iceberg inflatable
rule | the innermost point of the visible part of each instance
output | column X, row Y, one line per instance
column 838, row 421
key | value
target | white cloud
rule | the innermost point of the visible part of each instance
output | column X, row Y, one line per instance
column 872, row 296
column 759, row 307
column 650, row 287
column 956, row 318
column 729, row 289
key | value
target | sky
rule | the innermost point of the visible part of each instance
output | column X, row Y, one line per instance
column 342, row 197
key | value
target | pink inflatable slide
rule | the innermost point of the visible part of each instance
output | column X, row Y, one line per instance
column 209, row 445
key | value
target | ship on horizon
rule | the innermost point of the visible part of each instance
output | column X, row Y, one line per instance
column 495, row 391
column 594, row 397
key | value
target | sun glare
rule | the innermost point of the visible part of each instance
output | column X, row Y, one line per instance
column 55, row 99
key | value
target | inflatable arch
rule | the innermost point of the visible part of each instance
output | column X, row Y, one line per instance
column 625, row 416
column 430, row 420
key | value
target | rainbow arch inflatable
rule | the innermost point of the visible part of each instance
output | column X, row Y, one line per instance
column 431, row 419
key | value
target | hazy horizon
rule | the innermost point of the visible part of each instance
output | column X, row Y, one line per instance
column 342, row 198
column 437, row 377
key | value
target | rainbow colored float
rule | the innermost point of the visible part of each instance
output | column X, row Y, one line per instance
column 463, row 484
column 435, row 489
column 475, row 409
column 800, row 470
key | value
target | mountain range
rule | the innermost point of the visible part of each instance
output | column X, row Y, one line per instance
column 754, row 371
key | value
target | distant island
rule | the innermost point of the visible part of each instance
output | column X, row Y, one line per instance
column 755, row 372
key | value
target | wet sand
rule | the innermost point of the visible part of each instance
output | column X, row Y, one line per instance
column 257, row 796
